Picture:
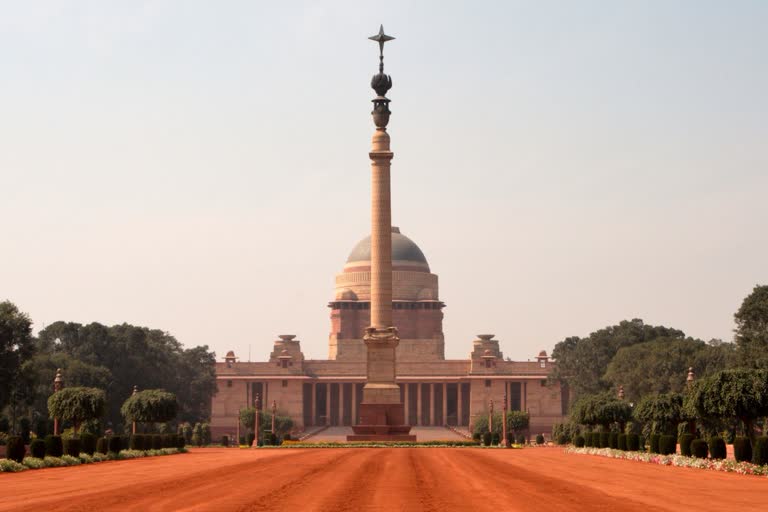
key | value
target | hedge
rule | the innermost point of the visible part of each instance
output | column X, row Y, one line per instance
column 157, row 442
column 180, row 441
column 742, row 449
column 539, row 439
column 87, row 443
column 136, row 442
column 114, row 444
column 102, row 446
column 604, row 440
column 15, row 449
column 699, row 448
column 579, row 441
column 72, row 446
column 655, row 443
column 54, row 446
column 621, row 442
column 667, row 445
column 37, row 449
column 717, row 448
column 685, row 444
column 613, row 440
column 760, row 451
column 633, row 442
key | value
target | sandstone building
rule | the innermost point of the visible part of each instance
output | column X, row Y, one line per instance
column 435, row 390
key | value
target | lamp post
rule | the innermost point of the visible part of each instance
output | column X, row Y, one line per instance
column 274, row 411
column 58, row 384
column 504, row 440
column 490, row 417
column 133, row 423
column 688, row 384
column 257, row 404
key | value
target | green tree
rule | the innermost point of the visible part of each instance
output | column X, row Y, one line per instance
column 150, row 406
column 283, row 423
column 517, row 421
column 582, row 362
column 77, row 404
column 661, row 413
column 16, row 346
column 752, row 329
column 602, row 409
column 730, row 394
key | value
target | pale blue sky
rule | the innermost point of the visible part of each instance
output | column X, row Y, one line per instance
column 202, row 167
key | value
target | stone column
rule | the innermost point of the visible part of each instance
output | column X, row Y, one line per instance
column 419, row 419
column 58, row 385
column 407, row 403
column 459, row 405
column 445, row 403
column 133, row 423
column 354, row 403
column 328, row 403
column 432, row 404
column 314, row 403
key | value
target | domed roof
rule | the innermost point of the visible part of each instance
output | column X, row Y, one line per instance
column 403, row 250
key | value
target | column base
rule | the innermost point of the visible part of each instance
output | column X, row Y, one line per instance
column 381, row 422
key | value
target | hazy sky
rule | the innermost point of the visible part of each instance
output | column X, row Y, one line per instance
column 202, row 167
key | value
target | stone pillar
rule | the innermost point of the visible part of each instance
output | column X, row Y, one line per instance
column 419, row 419
column 445, row 403
column 459, row 405
column 58, row 385
column 133, row 423
column 407, row 403
column 314, row 404
column 354, row 403
column 328, row 403
column 432, row 404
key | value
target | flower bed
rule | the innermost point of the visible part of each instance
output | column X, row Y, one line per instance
column 730, row 466
column 10, row 466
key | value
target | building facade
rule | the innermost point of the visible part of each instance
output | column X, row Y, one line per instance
column 435, row 391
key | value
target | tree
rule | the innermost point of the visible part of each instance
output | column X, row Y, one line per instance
column 582, row 362
column 283, row 423
column 741, row 394
column 77, row 404
column 517, row 421
column 661, row 412
column 150, row 406
column 601, row 409
column 752, row 329
column 16, row 346
column 661, row 365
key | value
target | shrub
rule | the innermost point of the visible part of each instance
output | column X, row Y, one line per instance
column 760, row 451
column 539, row 439
column 15, row 448
column 742, row 449
column 495, row 438
column 72, row 446
column 114, row 444
column 102, row 446
column 37, row 449
column 685, row 444
column 136, row 442
column 477, row 436
column 621, row 442
column 87, row 443
column 170, row 440
column 25, row 428
column 604, row 439
column 633, row 442
column 613, row 440
column 197, row 434
column 699, row 448
column 667, row 445
column 655, row 443
column 486, row 439
column 717, row 448
column 157, row 442
column 70, row 460
column 181, row 441
column 287, row 437
column 520, row 438
column 34, row 462
column 53, row 446
column 11, row 466
column 562, row 439
column 579, row 441
column 249, row 439
column 225, row 441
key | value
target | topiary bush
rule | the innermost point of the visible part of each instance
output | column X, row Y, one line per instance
column 37, row 448
column 15, row 449
column 225, row 441
column 588, row 439
column 633, row 442
column 667, row 445
column 487, row 439
column 539, row 439
column 520, row 438
column 562, row 439
column 613, row 440
column 495, row 438
column 136, row 442
column 54, row 446
column 654, row 448
column 621, row 442
column 685, row 444
column 114, row 444
column 72, row 446
column 579, row 441
column 249, row 439
column 102, row 446
column 87, row 443
column 742, row 449
column 699, row 448
column 181, row 441
column 717, row 448
column 760, row 451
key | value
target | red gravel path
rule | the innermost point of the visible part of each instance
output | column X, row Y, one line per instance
column 418, row 479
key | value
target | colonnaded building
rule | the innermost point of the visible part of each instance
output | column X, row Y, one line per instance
column 435, row 391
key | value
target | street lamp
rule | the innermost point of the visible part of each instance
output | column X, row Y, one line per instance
column 58, row 384
column 256, row 423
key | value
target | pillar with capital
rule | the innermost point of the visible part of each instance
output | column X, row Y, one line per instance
column 58, row 385
column 133, row 423
column 257, row 406
column 382, row 416
column 504, row 441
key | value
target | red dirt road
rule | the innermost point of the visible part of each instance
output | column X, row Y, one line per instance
column 359, row 479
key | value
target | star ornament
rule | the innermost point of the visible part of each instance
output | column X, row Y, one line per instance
column 381, row 38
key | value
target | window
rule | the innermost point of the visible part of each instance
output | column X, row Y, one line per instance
column 229, row 383
column 543, row 363
column 285, row 383
column 487, row 383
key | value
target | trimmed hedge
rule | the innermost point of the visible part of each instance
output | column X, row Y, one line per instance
column 717, row 448
column 136, row 442
column 87, row 443
column 685, row 444
column 742, row 449
column 102, row 446
column 579, row 441
column 495, row 439
column 180, row 441
column 654, row 448
column 667, row 445
column 114, row 444
column 613, row 440
column 157, row 442
column 37, row 449
column 760, row 451
column 54, row 446
column 72, row 446
column 621, row 442
column 699, row 448
column 15, row 449
column 539, row 439
column 604, row 438
column 633, row 442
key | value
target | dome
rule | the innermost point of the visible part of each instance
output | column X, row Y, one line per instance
column 404, row 251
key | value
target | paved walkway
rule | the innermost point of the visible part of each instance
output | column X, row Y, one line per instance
column 339, row 434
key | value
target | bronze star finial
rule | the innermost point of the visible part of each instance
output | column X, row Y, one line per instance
column 381, row 38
